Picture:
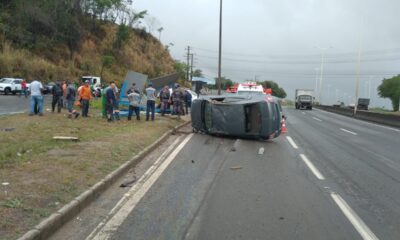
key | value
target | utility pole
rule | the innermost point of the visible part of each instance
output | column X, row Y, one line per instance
column 322, row 72
column 220, row 48
column 191, row 67
column 358, row 68
column 188, row 63
column 316, row 82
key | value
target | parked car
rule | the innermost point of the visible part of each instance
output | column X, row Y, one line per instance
column 47, row 88
column 10, row 85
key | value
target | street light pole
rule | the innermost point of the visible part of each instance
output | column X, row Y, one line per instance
column 316, row 81
column 220, row 48
column 322, row 72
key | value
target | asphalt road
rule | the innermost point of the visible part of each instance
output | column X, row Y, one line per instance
column 10, row 104
column 329, row 177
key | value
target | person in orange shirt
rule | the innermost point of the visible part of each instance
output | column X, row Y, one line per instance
column 85, row 95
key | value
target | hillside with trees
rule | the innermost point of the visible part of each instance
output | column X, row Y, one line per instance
column 61, row 40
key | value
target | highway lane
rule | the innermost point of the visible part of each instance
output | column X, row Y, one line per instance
column 14, row 104
column 361, row 159
column 218, row 188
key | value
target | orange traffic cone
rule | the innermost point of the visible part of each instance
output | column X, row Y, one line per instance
column 284, row 130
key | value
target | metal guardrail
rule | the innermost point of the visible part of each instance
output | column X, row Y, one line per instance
column 386, row 119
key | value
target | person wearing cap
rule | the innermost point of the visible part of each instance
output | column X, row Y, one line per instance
column 85, row 96
column 151, row 102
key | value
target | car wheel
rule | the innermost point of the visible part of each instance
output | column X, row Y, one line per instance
column 7, row 91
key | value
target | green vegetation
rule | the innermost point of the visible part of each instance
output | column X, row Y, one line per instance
column 276, row 90
column 390, row 88
column 60, row 40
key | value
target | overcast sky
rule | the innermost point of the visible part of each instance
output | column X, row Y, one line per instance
column 280, row 40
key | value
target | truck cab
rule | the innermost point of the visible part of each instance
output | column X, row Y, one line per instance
column 304, row 99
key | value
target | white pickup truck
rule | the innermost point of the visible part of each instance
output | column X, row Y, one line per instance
column 10, row 85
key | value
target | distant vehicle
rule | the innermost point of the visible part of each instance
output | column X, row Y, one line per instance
column 248, row 88
column 95, row 84
column 363, row 104
column 48, row 88
column 255, row 116
column 304, row 99
column 10, row 85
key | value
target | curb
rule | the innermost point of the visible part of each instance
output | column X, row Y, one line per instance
column 56, row 220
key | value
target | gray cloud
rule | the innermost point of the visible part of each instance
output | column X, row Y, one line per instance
column 277, row 40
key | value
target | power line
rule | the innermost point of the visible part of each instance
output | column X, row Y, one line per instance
column 293, row 56
column 302, row 62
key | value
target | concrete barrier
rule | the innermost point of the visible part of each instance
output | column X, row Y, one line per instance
column 381, row 118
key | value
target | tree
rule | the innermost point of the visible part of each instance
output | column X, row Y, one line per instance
column 106, row 62
column 390, row 88
column 198, row 73
column 225, row 83
column 181, row 68
column 122, row 35
column 276, row 90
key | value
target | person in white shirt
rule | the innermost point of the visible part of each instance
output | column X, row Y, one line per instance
column 35, row 89
column 151, row 102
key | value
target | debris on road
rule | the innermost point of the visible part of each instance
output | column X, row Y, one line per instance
column 236, row 168
column 128, row 183
column 5, row 184
column 235, row 145
column 8, row 129
column 74, row 139
column 192, row 161
column 261, row 151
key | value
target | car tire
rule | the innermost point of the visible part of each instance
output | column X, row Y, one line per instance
column 7, row 91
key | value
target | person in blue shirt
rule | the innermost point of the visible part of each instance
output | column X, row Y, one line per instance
column 188, row 101
column 110, row 101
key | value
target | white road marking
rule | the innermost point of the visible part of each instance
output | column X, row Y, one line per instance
column 352, row 216
column 294, row 145
column 345, row 130
column 319, row 120
column 261, row 151
column 11, row 113
column 311, row 166
column 134, row 195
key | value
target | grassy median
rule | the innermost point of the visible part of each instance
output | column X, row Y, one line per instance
column 38, row 174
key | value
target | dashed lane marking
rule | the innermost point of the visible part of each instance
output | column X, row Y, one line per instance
column 355, row 220
column 311, row 166
column 348, row 131
column 294, row 145
column 319, row 120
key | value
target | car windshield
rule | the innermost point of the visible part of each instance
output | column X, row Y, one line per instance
column 5, row 80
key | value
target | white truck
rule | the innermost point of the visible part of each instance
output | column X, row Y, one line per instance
column 95, row 84
column 10, row 85
column 304, row 98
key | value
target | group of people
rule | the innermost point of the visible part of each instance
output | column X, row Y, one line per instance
column 179, row 98
column 64, row 95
